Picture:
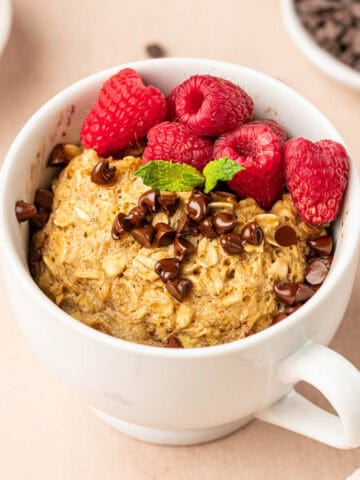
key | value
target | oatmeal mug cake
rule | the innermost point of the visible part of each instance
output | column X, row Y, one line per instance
column 183, row 222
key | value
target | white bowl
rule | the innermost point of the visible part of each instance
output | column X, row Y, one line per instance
column 5, row 22
column 184, row 396
column 313, row 52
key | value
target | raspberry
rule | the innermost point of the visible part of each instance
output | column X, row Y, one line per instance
column 123, row 113
column 210, row 105
column 278, row 129
column 257, row 148
column 171, row 109
column 316, row 176
column 175, row 142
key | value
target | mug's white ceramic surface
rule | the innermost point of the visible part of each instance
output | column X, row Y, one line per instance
column 317, row 55
column 177, row 396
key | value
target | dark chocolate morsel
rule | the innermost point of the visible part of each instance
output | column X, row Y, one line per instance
column 316, row 272
column 224, row 222
column 44, row 198
column 286, row 292
column 120, row 225
column 167, row 268
column 303, row 292
column 252, row 233
column 285, row 236
column 58, row 156
column 143, row 235
column 138, row 216
column 173, row 342
column 198, row 205
column 183, row 247
column 327, row 260
column 187, row 226
column 39, row 220
column 322, row 245
column 232, row 243
column 164, row 234
column 24, row 211
column 103, row 173
column 169, row 203
column 135, row 149
column 149, row 200
column 154, row 50
column 207, row 228
column 179, row 287
column 289, row 309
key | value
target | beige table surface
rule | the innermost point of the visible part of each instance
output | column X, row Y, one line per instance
column 45, row 432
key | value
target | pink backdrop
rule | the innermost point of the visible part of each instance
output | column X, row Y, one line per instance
column 45, row 432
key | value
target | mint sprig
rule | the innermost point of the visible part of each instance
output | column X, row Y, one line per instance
column 171, row 177
column 181, row 177
column 222, row 169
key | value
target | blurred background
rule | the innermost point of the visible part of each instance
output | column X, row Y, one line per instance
column 45, row 432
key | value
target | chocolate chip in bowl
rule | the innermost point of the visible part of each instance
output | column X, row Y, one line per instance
column 327, row 33
column 335, row 26
column 24, row 211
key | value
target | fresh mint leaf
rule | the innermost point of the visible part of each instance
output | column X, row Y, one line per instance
column 170, row 177
column 222, row 169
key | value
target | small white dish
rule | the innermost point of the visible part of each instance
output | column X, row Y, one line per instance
column 326, row 62
column 5, row 22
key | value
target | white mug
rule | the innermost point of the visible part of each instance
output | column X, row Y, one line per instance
column 186, row 396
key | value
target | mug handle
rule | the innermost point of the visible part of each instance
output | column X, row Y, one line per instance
column 337, row 379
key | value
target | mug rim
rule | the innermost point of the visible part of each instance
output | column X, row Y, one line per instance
column 14, row 263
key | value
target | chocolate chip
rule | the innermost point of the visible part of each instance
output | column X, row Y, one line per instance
column 39, row 220
column 285, row 236
column 44, row 198
column 173, row 342
column 183, row 248
column 58, row 157
column 286, row 292
column 327, row 260
column 291, row 309
column 120, row 225
column 143, row 235
column 138, row 216
column 329, row 31
column 334, row 25
column 187, row 226
column 167, row 268
column 224, row 222
column 347, row 38
column 169, row 203
column 316, row 272
column 135, row 149
column 207, row 228
column 103, row 173
column 24, row 211
column 164, row 234
column 343, row 17
column 198, row 205
column 179, row 287
column 303, row 292
column 252, row 233
column 232, row 243
column 154, row 50
column 149, row 200
column 322, row 245
column 278, row 317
